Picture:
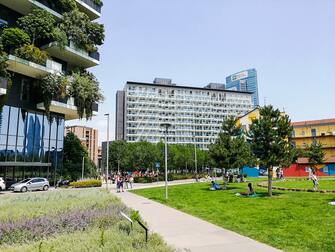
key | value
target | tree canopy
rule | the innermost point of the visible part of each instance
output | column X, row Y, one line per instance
column 230, row 149
column 74, row 152
column 271, row 142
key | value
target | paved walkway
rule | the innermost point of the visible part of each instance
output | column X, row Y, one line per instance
column 188, row 233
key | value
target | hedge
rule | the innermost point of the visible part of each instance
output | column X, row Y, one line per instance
column 86, row 183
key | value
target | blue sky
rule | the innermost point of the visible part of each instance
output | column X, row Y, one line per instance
column 291, row 43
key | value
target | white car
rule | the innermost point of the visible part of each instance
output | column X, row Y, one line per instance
column 2, row 185
column 31, row 184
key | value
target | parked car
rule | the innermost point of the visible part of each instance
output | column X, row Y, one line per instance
column 31, row 184
column 2, row 185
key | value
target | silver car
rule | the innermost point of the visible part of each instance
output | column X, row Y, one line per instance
column 31, row 184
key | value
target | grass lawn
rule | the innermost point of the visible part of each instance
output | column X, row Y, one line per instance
column 73, row 220
column 291, row 221
column 324, row 184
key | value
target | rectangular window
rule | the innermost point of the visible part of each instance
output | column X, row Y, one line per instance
column 25, row 87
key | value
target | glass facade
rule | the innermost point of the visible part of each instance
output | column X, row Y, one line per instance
column 244, row 81
column 30, row 143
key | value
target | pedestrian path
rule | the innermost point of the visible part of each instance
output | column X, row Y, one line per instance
column 188, row 233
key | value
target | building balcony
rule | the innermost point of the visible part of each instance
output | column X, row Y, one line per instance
column 26, row 6
column 3, row 86
column 73, row 55
column 90, row 8
column 31, row 69
column 66, row 107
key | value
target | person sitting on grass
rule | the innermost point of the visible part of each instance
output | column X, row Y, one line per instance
column 215, row 186
column 249, row 192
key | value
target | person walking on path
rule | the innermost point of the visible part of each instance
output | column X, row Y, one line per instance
column 121, row 183
column 315, row 181
column 131, row 181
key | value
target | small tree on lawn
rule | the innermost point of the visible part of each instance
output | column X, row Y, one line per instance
column 315, row 154
column 270, row 138
column 230, row 149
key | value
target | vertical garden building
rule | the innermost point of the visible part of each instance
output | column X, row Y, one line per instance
column 46, row 47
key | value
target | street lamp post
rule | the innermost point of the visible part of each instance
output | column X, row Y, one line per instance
column 166, row 126
column 82, row 167
column 195, row 160
column 107, row 155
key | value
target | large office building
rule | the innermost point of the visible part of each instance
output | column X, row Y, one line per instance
column 89, row 138
column 244, row 81
column 31, row 139
column 195, row 114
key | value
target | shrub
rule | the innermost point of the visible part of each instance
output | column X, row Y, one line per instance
column 32, row 53
column 86, row 183
column 38, row 24
column 143, row 180
column 14, row 38
column 66, row 5
column 52, row 86
column 59, row 36
column 81, row 31
column 98, row 2
column 84, row 88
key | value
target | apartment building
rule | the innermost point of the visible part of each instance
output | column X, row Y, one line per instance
column 89, row 138
column 195, row 113
column 31, row 129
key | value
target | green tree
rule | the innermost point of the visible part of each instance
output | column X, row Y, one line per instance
column 271, row 142
column 84, row 88
column 230, row 149
column 118, row 155
column 79, row 29
column 74, row 152
column 38, row 24
column 13, row 38
column 315, row 154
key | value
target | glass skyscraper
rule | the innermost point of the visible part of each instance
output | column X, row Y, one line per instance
column 244, row 81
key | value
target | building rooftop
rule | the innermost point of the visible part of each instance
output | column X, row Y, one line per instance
column 187, row 87
column 313, row 122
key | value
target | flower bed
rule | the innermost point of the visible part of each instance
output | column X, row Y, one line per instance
column 56, row 220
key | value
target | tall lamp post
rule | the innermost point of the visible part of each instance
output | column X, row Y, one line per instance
column 166, row 126
column 107, row 155
column 195, row 159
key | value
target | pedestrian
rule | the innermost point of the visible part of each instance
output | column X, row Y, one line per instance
column 315, row 181
column 281, row 174
column 126, row 181
column 121, row 183
column 278, row 173
column 131, row 181
column 117, row 181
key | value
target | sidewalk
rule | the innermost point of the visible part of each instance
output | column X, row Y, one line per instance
column 189, row 233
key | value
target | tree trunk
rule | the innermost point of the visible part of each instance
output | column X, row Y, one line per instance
column 270, row 172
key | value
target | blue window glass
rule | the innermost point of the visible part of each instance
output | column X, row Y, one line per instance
column 53, row 129
column 30, row 136
column 38, row 137
column 4, row 119
column 14, row 112
column 11, row 148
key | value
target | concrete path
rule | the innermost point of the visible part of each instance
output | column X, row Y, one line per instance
column 188, row 233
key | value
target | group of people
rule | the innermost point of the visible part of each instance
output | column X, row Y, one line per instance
column 123, row 179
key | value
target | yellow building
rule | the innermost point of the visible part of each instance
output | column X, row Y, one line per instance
column 321, row 131
column 246, row 120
